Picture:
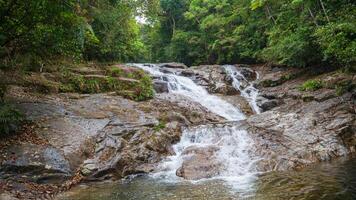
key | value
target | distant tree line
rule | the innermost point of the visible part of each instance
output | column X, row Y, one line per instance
column 286, row 32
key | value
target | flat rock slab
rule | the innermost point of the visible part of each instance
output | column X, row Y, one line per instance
column 37, row 163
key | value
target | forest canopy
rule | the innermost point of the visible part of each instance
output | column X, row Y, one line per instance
column 296, row 33
column 286, row 32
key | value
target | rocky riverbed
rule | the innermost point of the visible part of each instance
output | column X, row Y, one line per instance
column 97, row 137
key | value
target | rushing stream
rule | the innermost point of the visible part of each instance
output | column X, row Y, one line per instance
column 237, row 176
column 186, row 87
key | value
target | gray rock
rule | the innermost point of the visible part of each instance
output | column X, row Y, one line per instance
column 187, row 73
column 248, row 73
column 199, row 163
column 173, row 65
column 160, row 86
column 37, row 163
column 267, row 104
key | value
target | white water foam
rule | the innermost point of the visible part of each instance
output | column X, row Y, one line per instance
column 186, row 87
column 234, row 144
column 249, row 92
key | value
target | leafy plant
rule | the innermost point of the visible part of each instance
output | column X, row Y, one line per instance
column 144, row 90
column 311, row 85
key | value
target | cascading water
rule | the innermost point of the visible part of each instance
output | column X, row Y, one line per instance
column 186, row 87
column 233, row 143
column 248, row 91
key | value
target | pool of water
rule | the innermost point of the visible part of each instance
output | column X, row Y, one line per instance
column 334, row 180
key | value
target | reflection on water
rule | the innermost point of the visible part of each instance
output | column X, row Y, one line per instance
column 336, row 180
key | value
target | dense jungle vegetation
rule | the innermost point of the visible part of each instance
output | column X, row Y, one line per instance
column 289, row 32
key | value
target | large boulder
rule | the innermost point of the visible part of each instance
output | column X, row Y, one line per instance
column 199, row 163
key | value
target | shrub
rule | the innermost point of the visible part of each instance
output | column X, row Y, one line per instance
column 144, row 90
column 292, row 48
column 337, row 41
column 10, row 119
column 343, row 87
column 311, row 85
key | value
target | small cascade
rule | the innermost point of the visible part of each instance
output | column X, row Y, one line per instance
column 234, row 145
column 247, row 89
column 186, row 87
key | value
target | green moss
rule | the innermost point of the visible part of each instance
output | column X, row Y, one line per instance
column 161, row 125
column 132, row 84
column 288, row 77
column 40, row 84
column 311, row 85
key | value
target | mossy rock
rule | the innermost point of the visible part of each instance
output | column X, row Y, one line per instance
column 308, row 98
column 41, row 84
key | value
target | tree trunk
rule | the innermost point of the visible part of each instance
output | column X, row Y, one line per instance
column 270, row 14
column 313, row 17
column 323, row 7
column 173, row 26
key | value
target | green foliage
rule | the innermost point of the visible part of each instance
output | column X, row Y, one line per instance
column 131, row 83
column 344, row 86
column 311, row 85
column 287, row 32
column 43, row 30
column 144, row 90
column 338, row 41
column 296, row 32
column 10, row 119
column 292, row 48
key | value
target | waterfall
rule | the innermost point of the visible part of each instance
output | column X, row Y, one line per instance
column 233, row 143
column 186, row 87
column 249, row 92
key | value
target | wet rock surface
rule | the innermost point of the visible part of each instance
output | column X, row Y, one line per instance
column 40, row 164
column 125, row 148
column 296, row 128
column 173, row 65
column 294, row 137
column 200, row 163
column 104, row 136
